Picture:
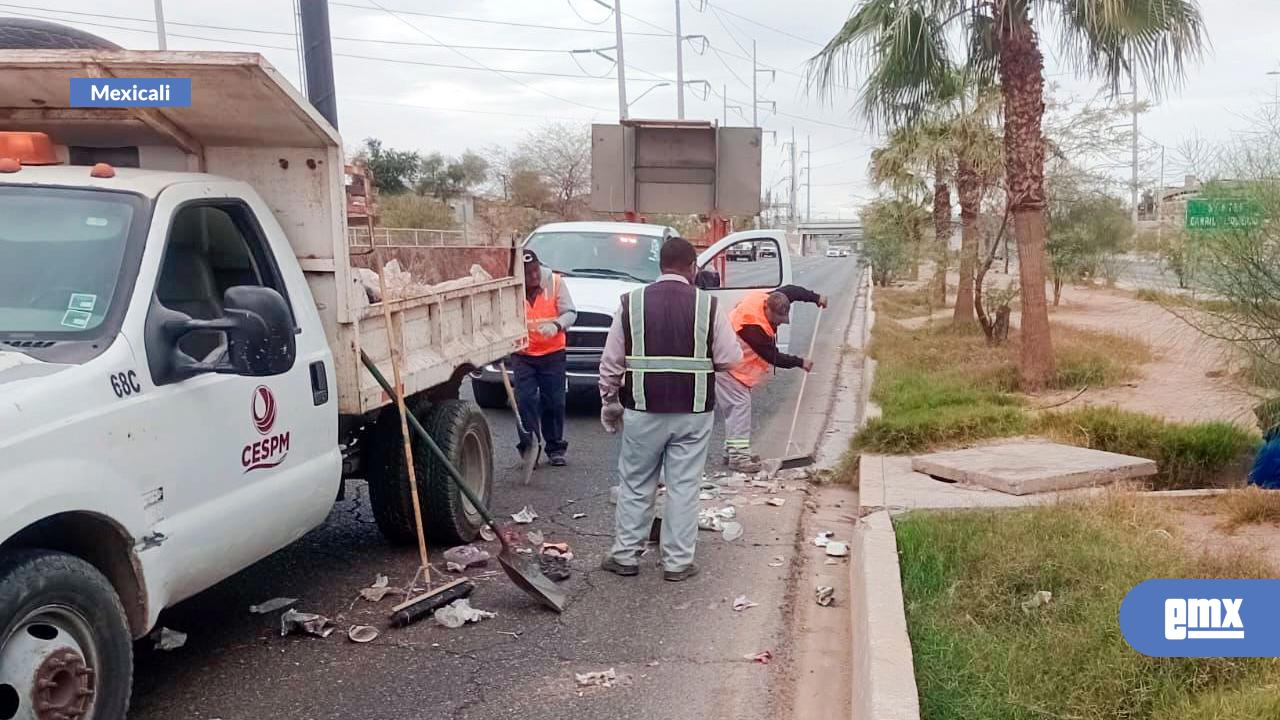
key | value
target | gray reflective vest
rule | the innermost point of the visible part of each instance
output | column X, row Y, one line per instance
column 669, row 336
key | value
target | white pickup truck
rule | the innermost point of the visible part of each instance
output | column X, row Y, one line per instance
column 181, row 320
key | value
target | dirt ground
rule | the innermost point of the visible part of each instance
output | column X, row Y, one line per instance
column 1201, row 522
column 1191, row 378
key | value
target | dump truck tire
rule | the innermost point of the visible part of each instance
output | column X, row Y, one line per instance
column 23, row 34
column 64, row 639
column 459, row 428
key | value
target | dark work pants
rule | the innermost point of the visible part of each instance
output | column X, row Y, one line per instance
column 540, row 391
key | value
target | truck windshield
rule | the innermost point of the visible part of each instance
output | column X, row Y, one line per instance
column 599, row 254
column 61, row 256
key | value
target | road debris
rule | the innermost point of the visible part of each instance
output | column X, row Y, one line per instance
column 578, row 516
column 420, row 606
column 823, row 538
column 378, row 590
column 525, row 516
column 777, row 561
column 831, row 561
column 600, row 678
column 535, row 537
column 732, row 531
column 167, row 639
column 293, row 621
column 741, row 603
column 272, row 605
column 555, row 566
column 763, row 657
column 776, row 502
column 652, row 663
column 837, row 549
column 1039, row 599
column 825, row 595
column 466, row 556
column 362, row 634
column 513, row 633
column 459, row 613
column 487, row 534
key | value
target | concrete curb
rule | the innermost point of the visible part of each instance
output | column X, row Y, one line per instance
column 884, row 679
column 845, row 416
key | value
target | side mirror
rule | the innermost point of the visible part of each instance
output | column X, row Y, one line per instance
column 259, row 331
column 260, row 341
column 707, row 280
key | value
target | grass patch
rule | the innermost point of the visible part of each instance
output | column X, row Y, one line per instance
column 1188, row 455
column 899, row 303
column 1251, row 506
column 942, row 385
column 978, row 654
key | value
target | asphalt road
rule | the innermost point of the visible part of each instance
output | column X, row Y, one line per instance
column 678, row 648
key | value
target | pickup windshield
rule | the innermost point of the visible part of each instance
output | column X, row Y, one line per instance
column 61, row 257
column 599, row 254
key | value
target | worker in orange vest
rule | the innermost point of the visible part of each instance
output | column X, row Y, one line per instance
column 539, row 370
column 755, row 321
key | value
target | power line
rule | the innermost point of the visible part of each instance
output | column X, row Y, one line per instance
column 464, row 56
column 583, row 19
column 364, row 100
column 768, row 27
column 495, row 22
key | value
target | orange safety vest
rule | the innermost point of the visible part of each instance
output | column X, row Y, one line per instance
column 541, row 310
column 753, row 370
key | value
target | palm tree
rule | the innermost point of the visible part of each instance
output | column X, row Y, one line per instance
column 914, row 156
column 911, row 47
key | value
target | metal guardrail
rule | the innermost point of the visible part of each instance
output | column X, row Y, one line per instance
column 358, row 237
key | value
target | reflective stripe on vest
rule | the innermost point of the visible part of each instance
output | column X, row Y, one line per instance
column 542, row 310
column 753, row 370
column 700, row 365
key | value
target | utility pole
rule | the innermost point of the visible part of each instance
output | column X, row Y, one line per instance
column 1133, row 76
column 160, row 33
column 755, row 102
column 318, row 53
column 795, row 186
column 679, row 65
column 622, row 72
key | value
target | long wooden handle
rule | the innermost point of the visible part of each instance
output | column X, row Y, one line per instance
column 813, row 341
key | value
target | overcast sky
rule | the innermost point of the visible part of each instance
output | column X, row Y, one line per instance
column 414, row 103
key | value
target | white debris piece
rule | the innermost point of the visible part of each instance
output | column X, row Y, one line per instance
column 741, row 603
column 1039, row 599
column 378, row 590
column 601, row 678
column 459, row 613
column 777, row 561
column 272, row 605
column 837, row 549
column 578, row 516
column 525, row 516
column 167, row 639
column 776, row 502
column 487, row 534
column 732, row 530
column 825, row 595
column 308, row 623
column 823, row 538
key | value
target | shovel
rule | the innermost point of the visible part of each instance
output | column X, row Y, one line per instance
column 797, row 461
column 525, row 574
column 529, row 458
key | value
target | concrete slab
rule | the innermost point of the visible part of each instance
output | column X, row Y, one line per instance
column 887, row 481
column 1023, row 467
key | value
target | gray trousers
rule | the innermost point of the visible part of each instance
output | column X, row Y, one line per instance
column 733, row 403
column 674, row 444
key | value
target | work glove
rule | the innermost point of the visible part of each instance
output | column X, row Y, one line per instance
column 822, row 301
column 611, row 416
column 807, row 364
column 548, row 329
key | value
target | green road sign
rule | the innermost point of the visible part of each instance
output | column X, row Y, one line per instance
column 1222, row 214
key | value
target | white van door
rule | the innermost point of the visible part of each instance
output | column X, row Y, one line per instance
column 731, row 282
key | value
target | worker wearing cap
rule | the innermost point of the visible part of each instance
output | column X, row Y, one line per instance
column 539, row 369
column 755, row 321
column 667, row 340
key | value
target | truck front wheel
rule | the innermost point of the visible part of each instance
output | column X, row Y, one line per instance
column 65, row 649
column 459, row 428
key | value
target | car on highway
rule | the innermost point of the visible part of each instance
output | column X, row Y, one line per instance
column 768, row 250
column 602, row 261
column 744, row 251
column 834, row 252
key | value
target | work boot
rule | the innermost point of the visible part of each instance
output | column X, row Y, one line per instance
column 617, row 568
column 727, row 458
column 557, row 459
column 680, row 575
column 744, row 464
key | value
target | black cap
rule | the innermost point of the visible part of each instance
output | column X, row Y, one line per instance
column 530, row 256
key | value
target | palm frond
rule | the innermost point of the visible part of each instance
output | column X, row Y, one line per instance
column 1112, row 38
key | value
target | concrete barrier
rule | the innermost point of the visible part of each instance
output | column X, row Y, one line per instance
column 884, row 680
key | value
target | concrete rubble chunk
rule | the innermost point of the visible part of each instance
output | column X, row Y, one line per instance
column 1030, row 466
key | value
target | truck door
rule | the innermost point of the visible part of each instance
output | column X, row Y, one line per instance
column 730, row 282
column 246, row 464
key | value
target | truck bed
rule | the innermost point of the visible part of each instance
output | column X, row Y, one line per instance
column 248, row 123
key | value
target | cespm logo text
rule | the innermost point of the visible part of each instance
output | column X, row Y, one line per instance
column 1203, row 619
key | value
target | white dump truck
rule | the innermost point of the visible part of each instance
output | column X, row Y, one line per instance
column 182, row 315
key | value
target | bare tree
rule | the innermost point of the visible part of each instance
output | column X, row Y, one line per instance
column 561, row 154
